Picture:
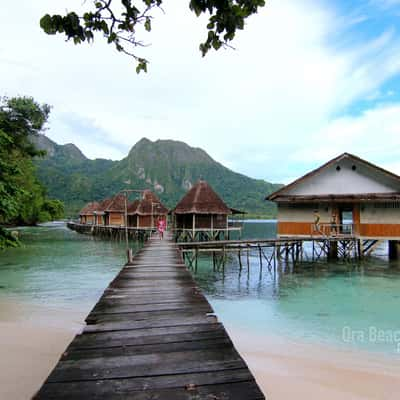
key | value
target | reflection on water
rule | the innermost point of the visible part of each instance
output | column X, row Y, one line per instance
column 315, row 302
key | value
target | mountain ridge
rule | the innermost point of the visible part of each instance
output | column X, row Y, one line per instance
column 168, row 167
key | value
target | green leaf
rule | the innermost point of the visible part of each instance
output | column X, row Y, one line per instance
column 216, row 43
column 112, row 37
column 147, row 25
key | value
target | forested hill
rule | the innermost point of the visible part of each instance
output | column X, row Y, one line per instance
column 167, row 167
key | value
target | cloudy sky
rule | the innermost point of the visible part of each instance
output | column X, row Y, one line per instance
column 308, row 80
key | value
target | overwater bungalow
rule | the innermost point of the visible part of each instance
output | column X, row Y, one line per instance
column 144, row 213
column 114, row 212
column 347, row 196
column 99, row 212
column 86, row 215
column 202, row 215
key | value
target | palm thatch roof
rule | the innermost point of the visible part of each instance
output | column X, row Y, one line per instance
column 150, row 204
column 103, row 206
column 201, row 199
column 117, row 203
column 89, row 208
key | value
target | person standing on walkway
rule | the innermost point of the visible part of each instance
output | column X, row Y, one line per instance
column 161, row 225
column 317, row 219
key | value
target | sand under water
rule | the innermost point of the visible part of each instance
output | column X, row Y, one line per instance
column 34, row 337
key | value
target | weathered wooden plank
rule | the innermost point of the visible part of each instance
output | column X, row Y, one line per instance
column 149, row 323
column 145, row 274
column 156, row 283
column 144, row 277
column 147, row 336
column 127, row 290
column 157, row 298
column 173, row 346
column 154, row 268
column 144, row 264
column 198, row 309
column 154, row 315
column 119, row 308
column 147, row 290
column 129, row 388
column 157, row 259
column 146, row 365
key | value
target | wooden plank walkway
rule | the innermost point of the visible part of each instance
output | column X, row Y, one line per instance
column 152, row 335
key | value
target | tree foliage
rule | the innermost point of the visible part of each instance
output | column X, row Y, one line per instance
column 22, row 196
column 119, row 22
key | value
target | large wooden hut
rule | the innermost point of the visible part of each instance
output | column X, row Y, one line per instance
column 144, row 213
column 345, row 196
column 202, row 215
column 115, row 211
column 86, row 215
column 100, row 212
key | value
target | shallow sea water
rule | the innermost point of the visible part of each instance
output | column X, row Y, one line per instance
column 351, row 304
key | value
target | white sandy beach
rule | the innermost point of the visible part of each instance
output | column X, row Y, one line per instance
column 33, row 338
column 295, row 370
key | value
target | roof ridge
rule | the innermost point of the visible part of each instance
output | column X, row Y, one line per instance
column 201, row 199
column 313, row 172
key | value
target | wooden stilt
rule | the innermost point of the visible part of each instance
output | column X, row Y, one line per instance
column 248, row 259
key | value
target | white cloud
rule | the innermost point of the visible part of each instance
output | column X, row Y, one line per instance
column 269, row 109
column 373, row 135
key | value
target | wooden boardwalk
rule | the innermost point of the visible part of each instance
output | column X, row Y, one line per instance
column 152, row 335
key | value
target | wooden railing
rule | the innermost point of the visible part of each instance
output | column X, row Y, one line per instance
column 332, row 230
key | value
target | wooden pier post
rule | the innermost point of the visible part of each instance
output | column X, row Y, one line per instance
column 240, row 260
column 332, row 250
column 394, row 250
column 248, row 259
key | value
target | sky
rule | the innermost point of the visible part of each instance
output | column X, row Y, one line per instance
column 307, row 81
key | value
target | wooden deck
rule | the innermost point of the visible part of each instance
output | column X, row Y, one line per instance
column 152, row 335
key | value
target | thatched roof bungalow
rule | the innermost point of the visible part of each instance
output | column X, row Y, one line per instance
column 86, row 215
column 114, row 210
column 200, row 210
column 99, row 212
column 145, row 212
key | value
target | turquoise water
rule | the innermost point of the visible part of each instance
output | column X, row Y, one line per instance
column 58, row 267
column 348, row 304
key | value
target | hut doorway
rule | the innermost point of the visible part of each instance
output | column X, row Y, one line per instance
column 348, row 218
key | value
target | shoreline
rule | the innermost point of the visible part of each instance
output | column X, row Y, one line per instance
column 33, row 338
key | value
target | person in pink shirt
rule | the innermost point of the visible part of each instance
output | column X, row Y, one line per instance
column 161, row 226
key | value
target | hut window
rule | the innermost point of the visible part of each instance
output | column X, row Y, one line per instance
column 338, row 168
column 353, row 167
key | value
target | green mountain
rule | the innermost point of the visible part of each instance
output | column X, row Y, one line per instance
column 167, row 167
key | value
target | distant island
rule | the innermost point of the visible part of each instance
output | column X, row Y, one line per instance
column 167, row 167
